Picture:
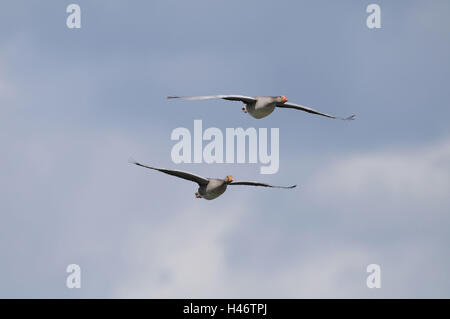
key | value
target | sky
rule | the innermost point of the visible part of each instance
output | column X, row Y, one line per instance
column 76, row 104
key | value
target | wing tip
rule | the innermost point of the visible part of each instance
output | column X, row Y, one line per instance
column 350, row 118
column 286, row 187
column 133, row 161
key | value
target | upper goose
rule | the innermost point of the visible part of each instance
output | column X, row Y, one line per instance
column 261, row 106
column 209, row 188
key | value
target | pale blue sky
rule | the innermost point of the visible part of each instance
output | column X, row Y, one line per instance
column 76, row 104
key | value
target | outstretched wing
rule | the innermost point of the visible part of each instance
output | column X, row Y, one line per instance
column 310, row 110
column 185, row 175
column 242, row 98
column 260, row 184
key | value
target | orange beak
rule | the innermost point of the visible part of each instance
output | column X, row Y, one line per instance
column 284, row 99
column 230, row 179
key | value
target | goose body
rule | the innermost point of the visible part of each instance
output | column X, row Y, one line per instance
column 213, row 189
column 262, row 107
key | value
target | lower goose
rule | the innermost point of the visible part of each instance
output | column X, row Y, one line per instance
column 209, row 188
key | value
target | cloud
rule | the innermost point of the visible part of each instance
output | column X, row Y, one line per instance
column 392, row 205
column 183, row 257
column 415, row 174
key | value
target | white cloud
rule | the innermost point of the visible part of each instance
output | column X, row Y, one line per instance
column 419, row 174
column 183, row 257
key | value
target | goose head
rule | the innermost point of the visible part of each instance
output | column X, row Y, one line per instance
column 228, row 179
column 282, row 99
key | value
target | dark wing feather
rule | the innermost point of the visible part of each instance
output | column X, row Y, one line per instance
column 260, row 184
column 242, row 98
column 310, row 110
column 185, row 175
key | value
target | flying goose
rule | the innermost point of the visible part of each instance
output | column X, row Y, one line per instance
column 261, row 106
column 209, row 188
